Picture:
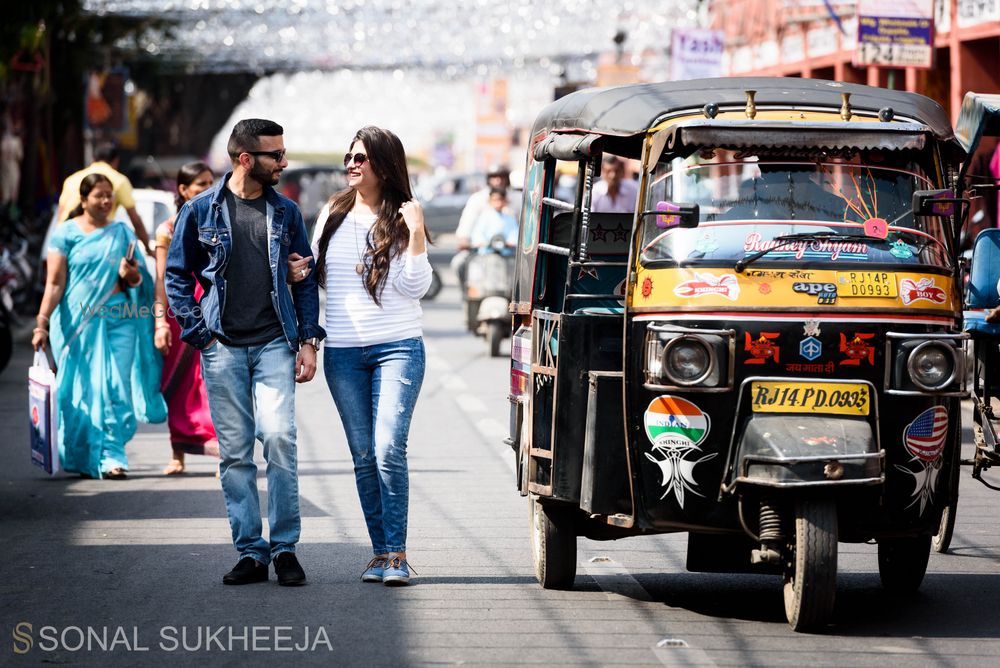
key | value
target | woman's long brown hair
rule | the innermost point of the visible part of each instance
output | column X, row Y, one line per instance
column 389, row 236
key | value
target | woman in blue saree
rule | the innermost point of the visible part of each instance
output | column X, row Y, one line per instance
column 96, row 314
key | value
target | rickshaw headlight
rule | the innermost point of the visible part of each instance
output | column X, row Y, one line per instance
column 686, row 360
column 932, row 366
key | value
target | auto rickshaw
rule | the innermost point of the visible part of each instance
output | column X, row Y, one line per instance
column 767, row 353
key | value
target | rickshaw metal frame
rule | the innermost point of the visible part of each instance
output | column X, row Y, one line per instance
column 958, row 372
column 761, row 459
column 730, row 371
column 728, row 482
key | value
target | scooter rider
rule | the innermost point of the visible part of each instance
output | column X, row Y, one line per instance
column 497, row 176
column 494, row 221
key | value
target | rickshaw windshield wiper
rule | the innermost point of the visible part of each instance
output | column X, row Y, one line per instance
column 786, row 239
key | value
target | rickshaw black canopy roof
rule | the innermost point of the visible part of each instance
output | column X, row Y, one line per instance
column 626, row 111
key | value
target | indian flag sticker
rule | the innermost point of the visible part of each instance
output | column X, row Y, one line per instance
column 672, row 422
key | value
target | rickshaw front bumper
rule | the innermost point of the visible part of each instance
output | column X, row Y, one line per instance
column 808, row 451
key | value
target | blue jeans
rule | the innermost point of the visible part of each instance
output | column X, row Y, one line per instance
column 251, row 395
column 375, row 389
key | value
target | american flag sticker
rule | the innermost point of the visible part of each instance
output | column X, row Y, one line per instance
column 924, row 437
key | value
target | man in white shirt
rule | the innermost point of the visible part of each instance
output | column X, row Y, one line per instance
column 494, row 221
column 497, row 176
column 614, row 193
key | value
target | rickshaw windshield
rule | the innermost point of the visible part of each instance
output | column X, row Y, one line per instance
column 751, row 203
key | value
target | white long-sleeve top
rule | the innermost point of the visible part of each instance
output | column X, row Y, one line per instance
column 352, row 318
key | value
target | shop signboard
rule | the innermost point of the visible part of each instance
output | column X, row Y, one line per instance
column 895, row 33
column 976, row 12
column 696, row 54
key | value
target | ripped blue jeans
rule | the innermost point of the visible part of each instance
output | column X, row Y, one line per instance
column 375, row 389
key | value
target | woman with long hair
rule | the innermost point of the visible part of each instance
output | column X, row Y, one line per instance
column 191, row 428
column 94, row 313
column 371, row 257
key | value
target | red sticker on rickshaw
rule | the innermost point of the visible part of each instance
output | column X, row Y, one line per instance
column 762, row 348
column 857, row 349
column 877, row 227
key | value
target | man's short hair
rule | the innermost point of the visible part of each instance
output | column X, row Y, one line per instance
column 612, row 160
column 247, row 133
column 106, row 152
column 498, row 191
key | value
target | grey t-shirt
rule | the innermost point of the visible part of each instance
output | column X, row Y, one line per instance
column 249, row 318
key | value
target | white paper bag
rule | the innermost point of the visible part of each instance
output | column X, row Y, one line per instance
column 42, row 413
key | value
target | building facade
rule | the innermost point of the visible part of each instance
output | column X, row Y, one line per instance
column 816, row 39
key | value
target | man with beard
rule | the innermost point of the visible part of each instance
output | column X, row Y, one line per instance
column 257, row 338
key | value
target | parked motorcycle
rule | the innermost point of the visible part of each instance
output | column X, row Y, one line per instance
column 487, row 292
column 8, row 278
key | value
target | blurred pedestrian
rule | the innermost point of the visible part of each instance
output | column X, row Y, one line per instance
column 11, row 154
column 614, row 193
column 107, row 372
column 106, row 160
column 372, row 260
column 257, row 338
column 497, row 176
column 493, row 222
column 191, row 429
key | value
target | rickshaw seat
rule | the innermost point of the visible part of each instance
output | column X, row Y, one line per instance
column 601, row 310
column 609, row 242
column 982, row 289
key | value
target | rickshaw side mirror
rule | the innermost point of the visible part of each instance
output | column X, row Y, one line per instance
column 934, row 202
column 675, row 214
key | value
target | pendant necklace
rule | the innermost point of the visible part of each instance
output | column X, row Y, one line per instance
column 359, row 268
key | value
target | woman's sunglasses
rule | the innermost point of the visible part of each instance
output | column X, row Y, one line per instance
column 358, row 158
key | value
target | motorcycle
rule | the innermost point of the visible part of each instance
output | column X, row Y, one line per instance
column 8, row 287
column 487, row 292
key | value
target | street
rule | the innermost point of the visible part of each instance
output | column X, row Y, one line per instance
column 129, row 572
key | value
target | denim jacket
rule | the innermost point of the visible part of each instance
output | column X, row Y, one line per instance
column 200, row 250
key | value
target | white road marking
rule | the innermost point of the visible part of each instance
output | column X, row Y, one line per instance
column 454, row 382
column 677, row 652
column 614, row 579
column 491, row 429
column 470, row 404
column 617, row 583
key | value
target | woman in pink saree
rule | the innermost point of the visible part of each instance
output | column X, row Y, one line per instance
column 191, row 429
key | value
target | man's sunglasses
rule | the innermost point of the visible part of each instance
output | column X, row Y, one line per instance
column 358, row 158
column 274, row 155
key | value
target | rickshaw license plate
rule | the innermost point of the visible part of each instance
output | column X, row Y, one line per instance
column 866, row 284
column 830, row 398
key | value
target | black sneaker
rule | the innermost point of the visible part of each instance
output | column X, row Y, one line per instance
column 288, row 570
column 246, row 571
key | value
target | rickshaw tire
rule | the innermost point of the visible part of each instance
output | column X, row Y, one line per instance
column 946, row 529
column 942, row 539
column 553, row 544
column 435, row 287
column 494, row 335
column 810, row 585
column 902, row 563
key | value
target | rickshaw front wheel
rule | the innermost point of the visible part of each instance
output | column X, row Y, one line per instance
column 942, row 540
column 902, row 563
column 553, row 544
column 811, row 575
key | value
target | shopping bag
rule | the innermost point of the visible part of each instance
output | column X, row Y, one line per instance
column 42, row 411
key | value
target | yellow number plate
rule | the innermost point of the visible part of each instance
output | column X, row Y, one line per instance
column 866, row 284
column 836, row 398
